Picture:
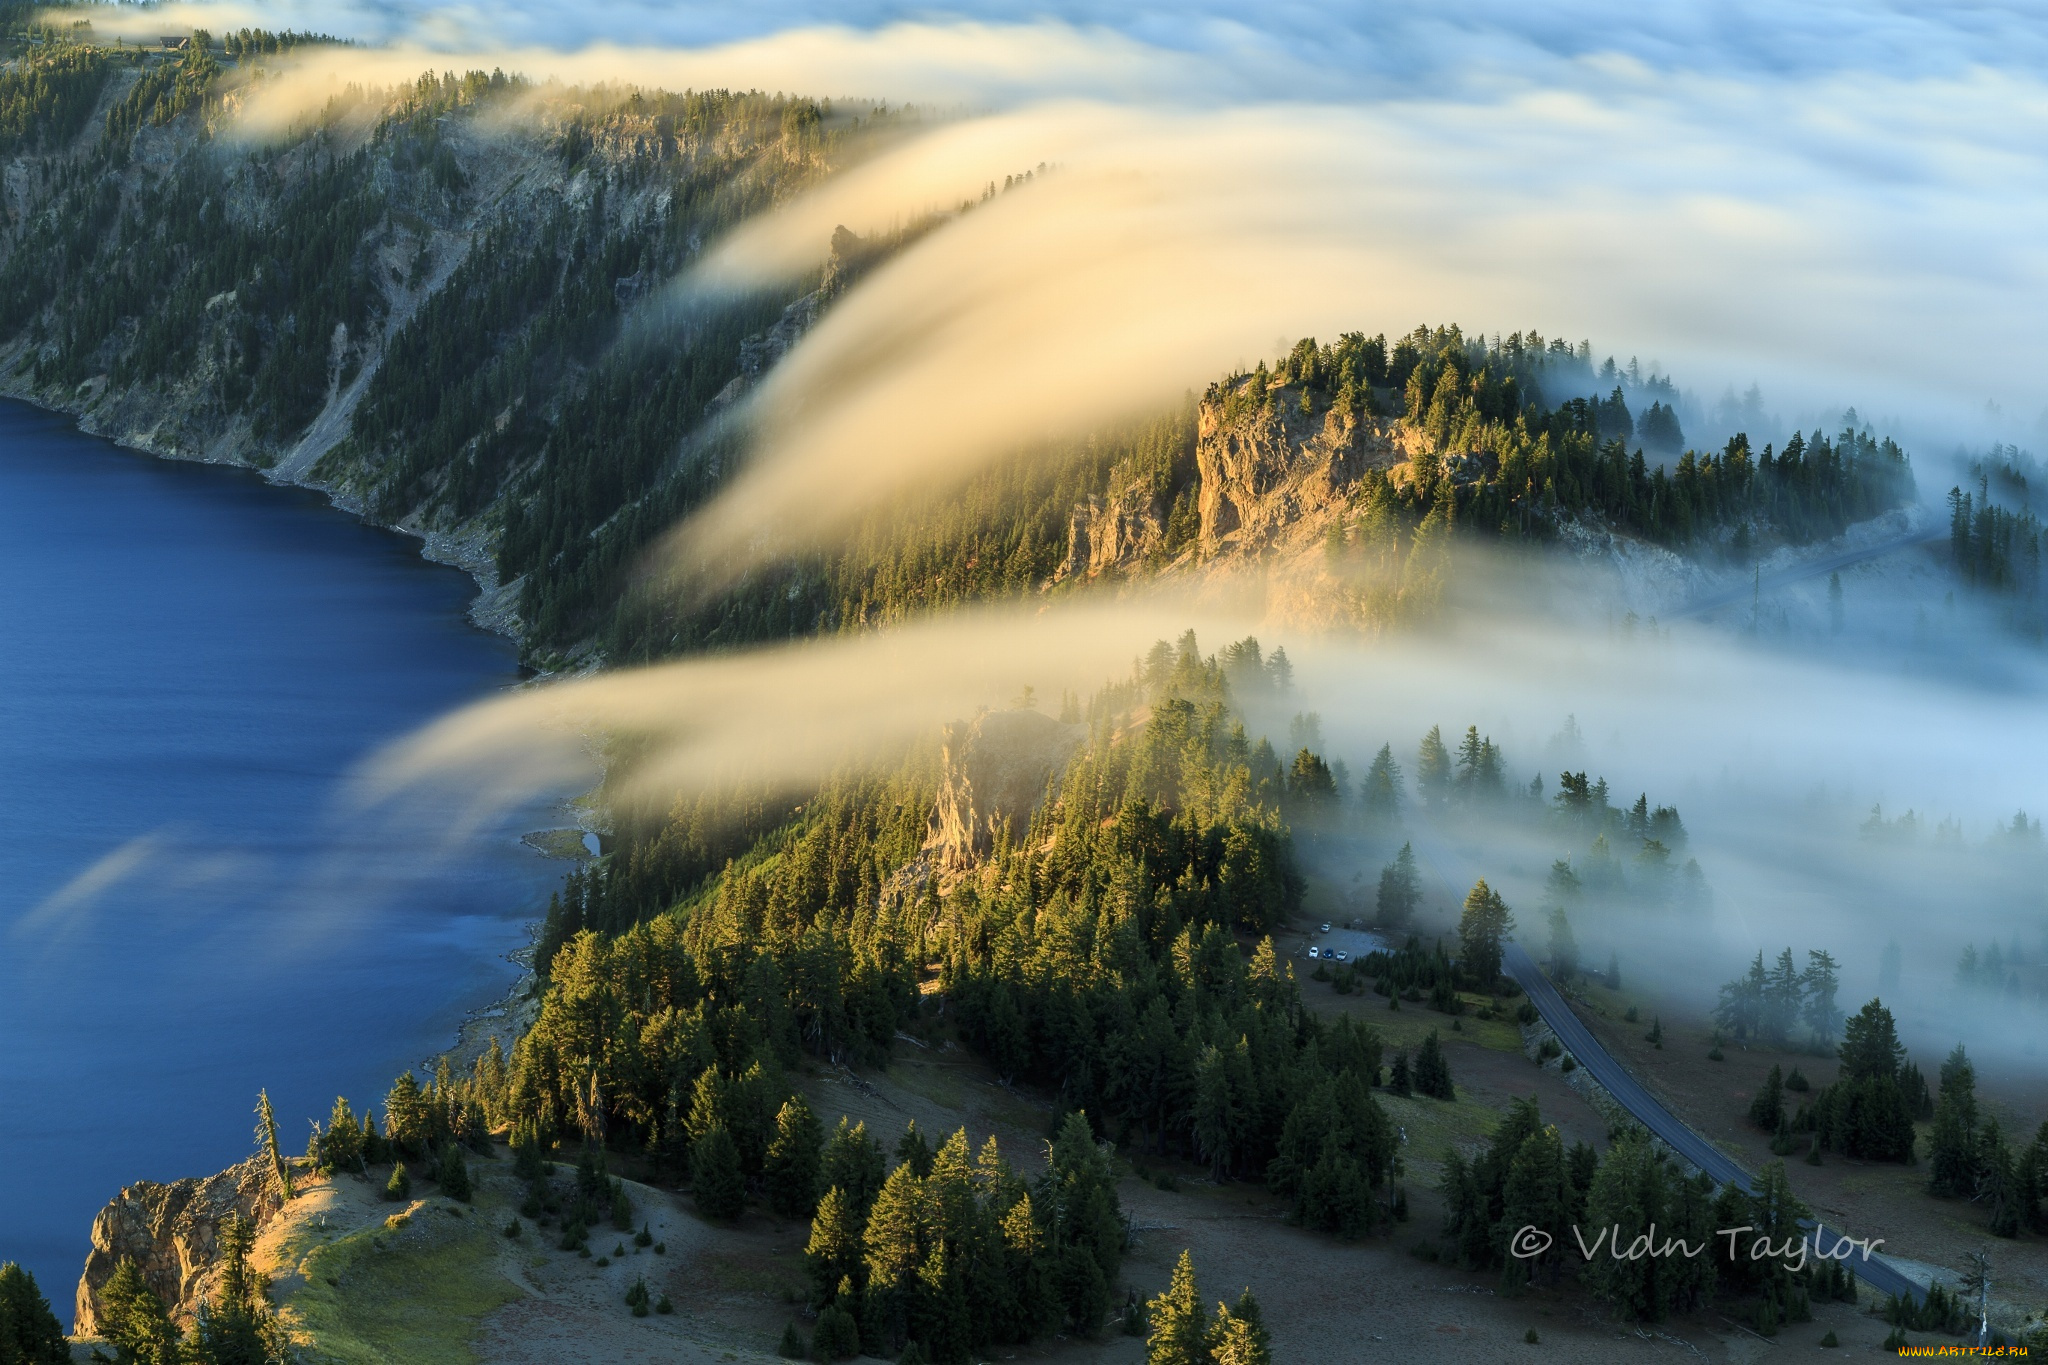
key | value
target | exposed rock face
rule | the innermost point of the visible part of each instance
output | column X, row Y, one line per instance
column 995, row 768
column 172, row 1233
column 1266, row 472
column 1105, row 536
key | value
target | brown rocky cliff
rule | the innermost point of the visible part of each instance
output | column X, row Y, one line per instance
column 1105, row 534
column 994, row 771
column 1263, row 479
column 1269, row 470
column 172, row 1233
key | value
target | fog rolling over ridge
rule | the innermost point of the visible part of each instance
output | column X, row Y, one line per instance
column 1835, row 213
column 1773, row 746
column 1832, row 212
column 1094, row 215
column 1010, row 520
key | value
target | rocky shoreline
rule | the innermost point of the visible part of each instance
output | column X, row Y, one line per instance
column 496, row 607
column 172, row 1230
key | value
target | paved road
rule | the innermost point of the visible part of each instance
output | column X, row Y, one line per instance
column 1440, row 861
column 1578, row 1040
column 1812, row 568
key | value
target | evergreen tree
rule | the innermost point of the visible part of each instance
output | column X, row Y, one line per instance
column 1634, row 1189
column 1741, row 1010
column 29, row 1332
column 2032, row 1183
column 1400, row 889
column 1433, row 769
column 794, row 1160
column 1084, row 1289
column 1819, row 983
column 1479, row 777
column 1998, row 1182
column 529, row 1163
column 894, row 1247
column 1238, row 1336
column 1486, row 922
column 1217, row 1121
column 1077, row 1198
column 1035, row 1306
column 1870, row 1045
column 399, row 1186
column 408, row 1125
column 1777, row 1214
column 1179, row 1332
column 853, row 1164
column 1564, row 948
column 1866, row 1113
column 134, row 1321
column 339, row 1147
column 837, row 1336
column 913, row 1151
column 1311, row 787
column 941, row 1314
column 236, row 1327
column 716, row 1180
column 493, row 1082
column 1952, row 1161
column 1381, row 789
column 266, row 1144
column 1767, row 1109
column 1432, row 1072
column 1399, row 1078
column 1537, row 1193
column 1782, row 993
column 451, row 1174
column 835, row 1251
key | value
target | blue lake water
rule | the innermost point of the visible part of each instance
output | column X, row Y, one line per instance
column 191, row 663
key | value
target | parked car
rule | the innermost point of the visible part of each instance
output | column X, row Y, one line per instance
column 1314, row 952
column 1325, row 929
column 1338, row 954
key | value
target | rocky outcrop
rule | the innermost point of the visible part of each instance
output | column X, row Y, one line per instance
column 994, row 770
column 172, row 1233
column 1267, row 471
column 1103, row 535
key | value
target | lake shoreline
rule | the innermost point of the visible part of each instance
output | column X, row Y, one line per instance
column 495, row 609
column 470, row 1011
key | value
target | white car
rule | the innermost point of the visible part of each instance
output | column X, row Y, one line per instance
column 1338, row 954
column 1324, row 930
column 1314, row 952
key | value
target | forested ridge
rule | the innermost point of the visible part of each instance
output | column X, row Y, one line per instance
column 1114, row 953
column 529, row 389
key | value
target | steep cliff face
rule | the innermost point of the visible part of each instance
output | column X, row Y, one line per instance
column 441, row 303
column 1271, row 469
column 172, row 1233
column 994, row 773
column 1265, row 478
column 1116, row 532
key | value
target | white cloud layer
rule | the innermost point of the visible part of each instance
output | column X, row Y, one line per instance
column 1842, row 201
column 1292, row 50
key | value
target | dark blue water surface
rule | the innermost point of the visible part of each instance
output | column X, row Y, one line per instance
column 191, row 662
